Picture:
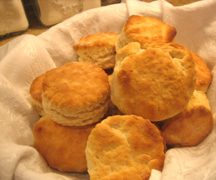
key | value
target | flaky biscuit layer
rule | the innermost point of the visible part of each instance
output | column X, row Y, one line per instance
column 98, row 49
column 79, row 117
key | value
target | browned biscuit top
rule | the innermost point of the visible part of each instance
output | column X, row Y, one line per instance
column 124, row 147
column 204, row 76
column 63, row 147
column 156, row 83
column 96, row 40
column 148, row 29
column 75, row 85
column 36, row 88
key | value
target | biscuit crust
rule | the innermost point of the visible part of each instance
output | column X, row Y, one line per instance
column 145, row 30
column 192, row 125
column 36, row 94
column 204, row 76
column 76, row 93
column 98, row 49
column 155, row 83
column 63, row 147
column 124, row 147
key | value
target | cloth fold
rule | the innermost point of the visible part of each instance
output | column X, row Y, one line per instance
column 28, row 56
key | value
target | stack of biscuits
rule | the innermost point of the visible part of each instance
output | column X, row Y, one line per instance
column 73, row 97
column 129, row 96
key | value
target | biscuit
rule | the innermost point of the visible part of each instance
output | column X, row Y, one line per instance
column 63, row 147
column 192, row 125
column 124, row 147
column 76, row 93
column 156, row 83
column 204, row 76
column 36, row 94
column 145, row 30
column 98, row 49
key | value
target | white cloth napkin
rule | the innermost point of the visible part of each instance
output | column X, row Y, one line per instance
column 28, row 56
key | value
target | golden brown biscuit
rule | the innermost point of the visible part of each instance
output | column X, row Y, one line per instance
column 63, row 147
column 144, row 30
column 192, row 125
column 76, row 93
column 155, row 83
column 124, row 147
column 98, row 49
column 36, row 94
column 204, row 76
